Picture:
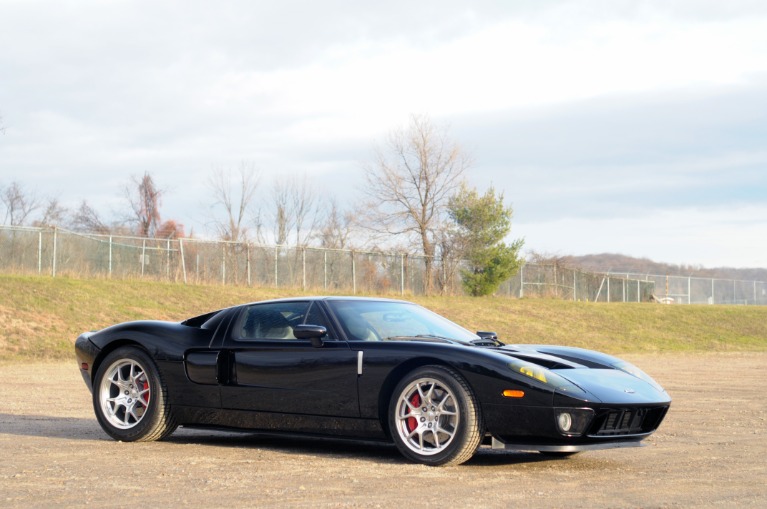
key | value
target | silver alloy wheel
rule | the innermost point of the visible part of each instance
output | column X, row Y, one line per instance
column 124, row 393
column 427, row 416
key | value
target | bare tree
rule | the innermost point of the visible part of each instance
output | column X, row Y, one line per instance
column 295, row 210
column 144, row 199
column 410, row 182
column 86, row 219
column 19, row 204
column 235, row 198
column 54, row 214
column 283, row 219
column 336, row 230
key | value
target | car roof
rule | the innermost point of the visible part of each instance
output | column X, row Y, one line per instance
column 314, row 298
column 331, row 298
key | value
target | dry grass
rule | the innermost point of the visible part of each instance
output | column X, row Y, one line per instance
column 40, row 317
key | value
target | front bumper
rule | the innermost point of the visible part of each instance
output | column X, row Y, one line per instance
column 497, row 444
column 535, row 428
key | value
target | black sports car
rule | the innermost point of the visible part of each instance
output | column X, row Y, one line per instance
column 369, row 369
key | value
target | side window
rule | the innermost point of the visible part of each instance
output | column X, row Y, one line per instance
column 317, row 317
column 270, row 321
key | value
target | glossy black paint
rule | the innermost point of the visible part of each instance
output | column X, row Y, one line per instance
column 270, row 376
column 331, row 385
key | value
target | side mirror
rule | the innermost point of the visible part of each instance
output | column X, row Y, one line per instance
column 313, row 333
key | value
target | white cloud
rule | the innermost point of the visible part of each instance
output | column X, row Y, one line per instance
column 93, row 92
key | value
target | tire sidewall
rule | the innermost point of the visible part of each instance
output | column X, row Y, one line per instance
column 468, row 417
column 151, row 419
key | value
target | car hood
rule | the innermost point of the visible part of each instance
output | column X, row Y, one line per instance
column 614, row 386
column 603, row 377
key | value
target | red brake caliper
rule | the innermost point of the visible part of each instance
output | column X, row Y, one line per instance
column 146, row 388
column 412, row 422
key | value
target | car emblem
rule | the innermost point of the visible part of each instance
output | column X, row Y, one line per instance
column 629, row 391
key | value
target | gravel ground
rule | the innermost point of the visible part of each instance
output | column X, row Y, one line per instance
column 710, row 452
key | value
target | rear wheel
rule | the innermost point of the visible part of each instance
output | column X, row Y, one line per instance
column 130, row 397
column 434, row 417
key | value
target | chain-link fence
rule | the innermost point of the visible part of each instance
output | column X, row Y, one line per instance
column 55, row 251
column 698, row 290
column 554, row 281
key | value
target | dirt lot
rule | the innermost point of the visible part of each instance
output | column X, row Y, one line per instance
column 711, row 451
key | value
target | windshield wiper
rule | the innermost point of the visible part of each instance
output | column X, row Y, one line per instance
column 425, row 336
column 417, row 336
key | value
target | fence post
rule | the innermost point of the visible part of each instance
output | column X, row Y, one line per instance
column 689, row 290
column 276, row 248
column 40, row 254
column 303, row 268
column 575, row 286
column 522, row 281
column 402, row 273
column 354, row 276
column 143, row 257
column 247, row 262
column 53, row 262
column 223, row 264
column 325, row 270
column 183, row 261
column 167, row 259
column 110, row 256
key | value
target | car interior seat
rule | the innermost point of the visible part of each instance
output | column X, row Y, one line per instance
column 359, row 329
column 267, row 324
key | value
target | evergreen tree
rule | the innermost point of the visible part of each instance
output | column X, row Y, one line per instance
column 481, row 225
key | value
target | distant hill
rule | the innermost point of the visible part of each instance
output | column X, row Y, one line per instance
column 612, row 262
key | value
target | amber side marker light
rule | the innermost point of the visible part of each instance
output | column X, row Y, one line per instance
column 509, row 393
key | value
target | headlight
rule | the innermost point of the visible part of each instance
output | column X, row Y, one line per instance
column 547, row 377
column 536, row 372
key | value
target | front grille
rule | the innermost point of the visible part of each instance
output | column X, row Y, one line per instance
column 628, row 421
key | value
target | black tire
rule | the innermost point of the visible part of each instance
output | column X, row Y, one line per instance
column 434, row 417
column 130, row 397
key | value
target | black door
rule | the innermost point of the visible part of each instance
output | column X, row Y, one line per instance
column 272, row 371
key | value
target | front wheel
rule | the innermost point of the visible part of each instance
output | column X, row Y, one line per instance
column 434, row 417
column 130, row 397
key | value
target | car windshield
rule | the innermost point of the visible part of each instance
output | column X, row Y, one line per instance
column 390, row 320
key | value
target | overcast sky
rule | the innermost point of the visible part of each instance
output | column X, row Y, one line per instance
column 635, row 127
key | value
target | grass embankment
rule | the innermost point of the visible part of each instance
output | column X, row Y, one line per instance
column 40, row 317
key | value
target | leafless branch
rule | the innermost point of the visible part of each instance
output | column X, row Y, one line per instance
column 235, row 198
column 19, row 204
